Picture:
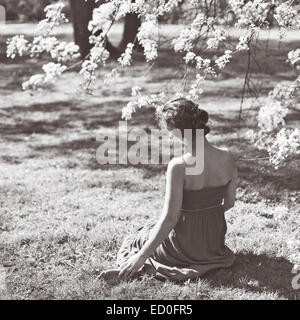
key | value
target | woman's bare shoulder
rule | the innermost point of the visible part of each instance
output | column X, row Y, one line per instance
column 176, row 172
column 227, row 157
column 226, row 153
column 176, row 166
column 177, row 162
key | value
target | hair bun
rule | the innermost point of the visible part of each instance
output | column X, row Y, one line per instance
column 201, row 120
column 203, row 116
column 183, row 114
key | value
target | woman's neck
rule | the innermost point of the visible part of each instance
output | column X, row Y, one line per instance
column 206, row 146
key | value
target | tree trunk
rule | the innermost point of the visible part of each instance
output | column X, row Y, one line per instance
column 131, row 27
column 82, row 13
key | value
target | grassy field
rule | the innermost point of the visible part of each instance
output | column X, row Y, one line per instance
column 63, row 216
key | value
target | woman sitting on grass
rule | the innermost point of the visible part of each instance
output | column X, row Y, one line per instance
column 188, row 239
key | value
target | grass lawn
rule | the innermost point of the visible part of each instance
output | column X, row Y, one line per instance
column 63, row 216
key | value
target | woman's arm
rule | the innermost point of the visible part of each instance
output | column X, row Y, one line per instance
column 171, row 209
column 229, row 197
column 167, row 221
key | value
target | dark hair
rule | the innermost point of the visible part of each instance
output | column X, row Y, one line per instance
column 183, row 114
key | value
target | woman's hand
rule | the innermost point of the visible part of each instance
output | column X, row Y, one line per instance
column 132, row 266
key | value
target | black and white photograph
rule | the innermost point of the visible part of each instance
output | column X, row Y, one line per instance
column 149, row 152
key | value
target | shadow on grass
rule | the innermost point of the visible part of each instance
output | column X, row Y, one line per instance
column 66, row 112
column 94, row 116
column 257, row 274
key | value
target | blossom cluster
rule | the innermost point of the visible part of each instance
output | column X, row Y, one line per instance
column 16, row 45
column 253, row 13
column 102, row 17
column 110, row 77
column 222, row 61
column 218, row 36
column 190, row 56
column 285, row 94
column 65, row 51
column 44, row 42
column 272, row 136
column 167, row 6
column 146, row 37
column 204, row 64
column 287, row 16
column 98, row 54
column 244, row 40
column 279, row 145
column 196, row 88
column 154, row 100
column 52, row 71
column 271, row 115
column 188, row 35
column 126, row 57
column 285, row 144
column 54, row 16
column 61, row 51
column 294, row 58
column 192, row 4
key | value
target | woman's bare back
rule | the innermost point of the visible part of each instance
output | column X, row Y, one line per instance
column 218, row 170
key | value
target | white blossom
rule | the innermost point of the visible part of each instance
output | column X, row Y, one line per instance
column 88, row 70
column 244, row 41
column 54, row 16
column 128, row 111
column 98, row 54
column 224, row 59
column 218, row 36
column 124, row 8
column 126, row 57
column 42, row 44
column 35, row 82
column 202, row 63
column 54, row 11
column 250, row 14
column 53, row 71
column 146, row 37
column 167, row 6
column 285, row 94
column 110, row 77
column 16, row 45
column 45, row 28
column 102, row 17
column 193, row 4
column 179, row 95
column 190, row 56
column 196, row 88
column 286, row 15
column 285, row 144
column 135, row 91
column 271, row 115
column 185, row 40
column 154, row 100
column 236, row 5
column 65, row 51
column 294, row 57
